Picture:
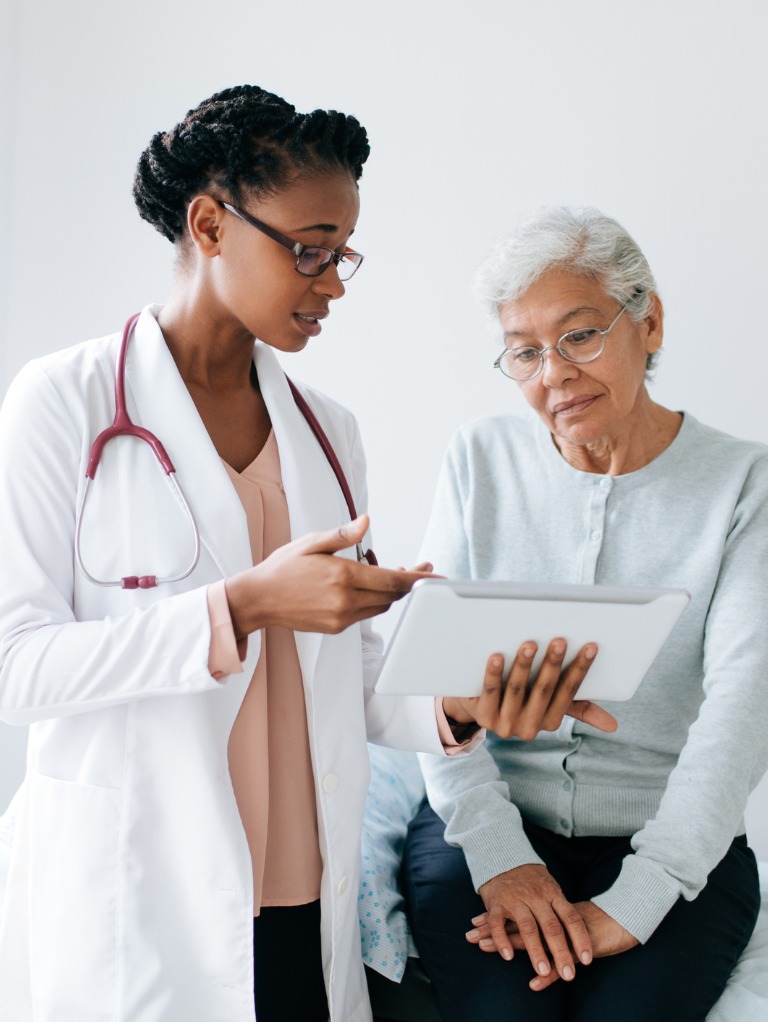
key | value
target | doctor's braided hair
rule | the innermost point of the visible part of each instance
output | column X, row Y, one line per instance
column 242, row 139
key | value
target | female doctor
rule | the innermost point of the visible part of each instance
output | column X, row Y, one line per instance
column 197, row 682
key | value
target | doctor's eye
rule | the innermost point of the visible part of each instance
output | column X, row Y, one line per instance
column 314, row 259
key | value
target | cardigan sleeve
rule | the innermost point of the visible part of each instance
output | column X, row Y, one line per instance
column 468, row 793
column 725, row 754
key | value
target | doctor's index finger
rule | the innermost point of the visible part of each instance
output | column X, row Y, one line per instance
column 389, row 581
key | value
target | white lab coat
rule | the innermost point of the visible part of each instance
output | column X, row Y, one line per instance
column 129, row 894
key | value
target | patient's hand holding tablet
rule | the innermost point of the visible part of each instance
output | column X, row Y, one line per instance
column 448, row 628
column 523, row 702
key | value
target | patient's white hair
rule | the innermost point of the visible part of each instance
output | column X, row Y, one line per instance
column 579, row 240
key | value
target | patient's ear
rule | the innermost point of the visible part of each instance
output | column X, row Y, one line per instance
column 654, row 323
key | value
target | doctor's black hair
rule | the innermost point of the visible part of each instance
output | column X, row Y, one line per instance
column 242, row 139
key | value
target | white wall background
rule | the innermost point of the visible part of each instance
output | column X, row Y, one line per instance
column 477, row 111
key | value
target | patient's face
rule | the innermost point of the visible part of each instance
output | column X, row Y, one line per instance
column 581, row 403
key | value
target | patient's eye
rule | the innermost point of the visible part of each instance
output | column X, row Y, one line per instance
column 523, row 355
column 589, row 335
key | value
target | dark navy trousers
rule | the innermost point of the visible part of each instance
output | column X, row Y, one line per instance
column 676, row 976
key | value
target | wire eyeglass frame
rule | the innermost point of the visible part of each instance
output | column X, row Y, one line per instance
column 558, row 346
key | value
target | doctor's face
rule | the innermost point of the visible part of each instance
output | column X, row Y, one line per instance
column 256, row 277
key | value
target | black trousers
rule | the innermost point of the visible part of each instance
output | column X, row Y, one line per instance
column 288, row 965
column 676, row 976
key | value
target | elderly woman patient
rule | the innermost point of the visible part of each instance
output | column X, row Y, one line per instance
column 585, row 875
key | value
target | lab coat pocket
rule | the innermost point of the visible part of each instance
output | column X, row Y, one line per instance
column 73, row 863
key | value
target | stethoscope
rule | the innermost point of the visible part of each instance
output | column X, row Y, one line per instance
column 123, row 426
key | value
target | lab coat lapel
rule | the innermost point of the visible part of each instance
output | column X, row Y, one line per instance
column 164, row 406
column 315, row 501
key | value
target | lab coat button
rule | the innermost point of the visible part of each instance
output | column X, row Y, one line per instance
column 330, row 783
column 595, row 535
column 605, row 482
column 342, row 885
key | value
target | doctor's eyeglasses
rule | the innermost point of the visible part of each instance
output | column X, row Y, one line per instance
column 524, row 362
column 311, row 260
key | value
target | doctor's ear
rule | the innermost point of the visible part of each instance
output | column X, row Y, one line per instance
column 204, row 217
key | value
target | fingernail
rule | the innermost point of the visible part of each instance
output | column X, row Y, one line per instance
column 506, row 953
column 586, row 958
column 497, row 662
column 558, row 648
column 478, row 919
column 472, row 934
column 528, row 651
column 568, row 973
column 590, row 652
column 536, row 983
column 542, row 967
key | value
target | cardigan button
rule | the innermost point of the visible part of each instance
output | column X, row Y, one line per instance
column 342, row 885
column 330, row 783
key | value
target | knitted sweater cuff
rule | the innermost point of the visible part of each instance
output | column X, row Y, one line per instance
column 639, row 899
column 494, row 848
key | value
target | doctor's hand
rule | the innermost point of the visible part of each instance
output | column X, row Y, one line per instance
column 521, row 708
column 302, row 586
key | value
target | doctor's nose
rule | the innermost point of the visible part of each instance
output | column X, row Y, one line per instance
column 329, row 283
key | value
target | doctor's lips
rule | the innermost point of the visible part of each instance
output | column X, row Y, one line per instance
column 310, row 322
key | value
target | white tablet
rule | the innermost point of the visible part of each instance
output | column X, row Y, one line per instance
column 449, row 628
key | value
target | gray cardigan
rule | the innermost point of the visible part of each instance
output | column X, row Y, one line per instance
column 692, row 742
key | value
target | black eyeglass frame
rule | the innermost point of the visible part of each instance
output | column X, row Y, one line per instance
column 297, row 248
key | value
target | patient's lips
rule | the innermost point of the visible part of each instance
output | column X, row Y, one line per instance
column 574, row 405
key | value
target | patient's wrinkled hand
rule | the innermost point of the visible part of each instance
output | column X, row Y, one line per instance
column 606, row 937
column 521, row 707
column 526, row 909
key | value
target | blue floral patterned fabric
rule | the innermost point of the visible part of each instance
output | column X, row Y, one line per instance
column 394, row 796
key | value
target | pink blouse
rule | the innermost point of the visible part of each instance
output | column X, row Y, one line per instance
column 269, row 758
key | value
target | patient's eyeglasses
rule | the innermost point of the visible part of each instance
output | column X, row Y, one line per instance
column 524, row 362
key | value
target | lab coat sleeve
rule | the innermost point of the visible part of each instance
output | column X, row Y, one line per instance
column 50, row 663
column 406, row 723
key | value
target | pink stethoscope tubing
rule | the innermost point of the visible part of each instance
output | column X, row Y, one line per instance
column 123, row 426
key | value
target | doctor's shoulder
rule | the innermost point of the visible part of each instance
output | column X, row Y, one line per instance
column 71, row 376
